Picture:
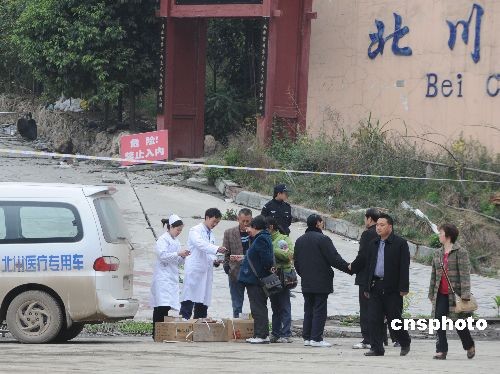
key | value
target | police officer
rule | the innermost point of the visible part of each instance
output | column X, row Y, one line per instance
column 279, row 208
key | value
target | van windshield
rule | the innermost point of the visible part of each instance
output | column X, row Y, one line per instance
column 113, row 226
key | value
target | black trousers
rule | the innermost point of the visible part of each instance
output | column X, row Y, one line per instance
column 383, row 304
column 258, row 307
column 442, row 309
column 363, row 316
column 159, row 313
column 200, row 310
column 392, row 333
column 315, row 311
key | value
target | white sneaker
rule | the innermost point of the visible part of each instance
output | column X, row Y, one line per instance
column 307, row 343
column 322, row 343
column 258, row 340
column 361, row 346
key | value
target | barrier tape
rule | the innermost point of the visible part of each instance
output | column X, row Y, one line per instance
column 243, row 168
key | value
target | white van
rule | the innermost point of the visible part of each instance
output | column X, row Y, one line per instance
column 65, row 260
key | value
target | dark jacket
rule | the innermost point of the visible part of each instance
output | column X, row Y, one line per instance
column 358, row 266
column 280, row 210
column 262, row 257
column 314, row 256
column 396, row 264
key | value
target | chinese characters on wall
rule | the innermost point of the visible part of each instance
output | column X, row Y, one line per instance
column 379, row 40
column 464, row 27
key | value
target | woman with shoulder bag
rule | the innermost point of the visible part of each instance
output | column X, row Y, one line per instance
column 258, row 264
column 280, row 302
column 450, row 273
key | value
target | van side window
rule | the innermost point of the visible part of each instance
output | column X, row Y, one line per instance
column 3, row 229
column 113, row 227
column 37, row 222
column 47, row 222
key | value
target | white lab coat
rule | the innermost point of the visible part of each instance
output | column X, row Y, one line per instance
column 198, row 269
column 165, row 285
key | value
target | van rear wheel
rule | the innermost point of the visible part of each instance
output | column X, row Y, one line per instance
column 34, row 317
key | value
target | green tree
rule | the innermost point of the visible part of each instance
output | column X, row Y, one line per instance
column 95, row 49
column 232, row 60
column 14, row 76
column 137, row 18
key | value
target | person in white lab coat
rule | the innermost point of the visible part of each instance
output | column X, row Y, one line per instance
column 169, row 255
column 198, row 269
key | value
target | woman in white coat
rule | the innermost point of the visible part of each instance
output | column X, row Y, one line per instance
column 169, row 255
column 198, row 271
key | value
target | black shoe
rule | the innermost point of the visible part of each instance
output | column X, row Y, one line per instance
column 404, row 351
column 439, row 356
column 396, row 344
column 373, row 353
column 471, row 352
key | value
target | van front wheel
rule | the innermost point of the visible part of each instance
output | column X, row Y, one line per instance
column 34, row 317
column 69, row 333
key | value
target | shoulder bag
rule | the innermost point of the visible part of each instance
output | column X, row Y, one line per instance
column 288, row 278
column 270, row 284
column 461, row 306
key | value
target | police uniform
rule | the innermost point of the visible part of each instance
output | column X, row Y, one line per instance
column 280, row 210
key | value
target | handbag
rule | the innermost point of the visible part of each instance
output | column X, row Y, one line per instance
column 288, row 278
column 461, row 306
column 271, row 284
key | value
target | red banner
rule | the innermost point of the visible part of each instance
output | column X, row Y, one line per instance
column 147, row 146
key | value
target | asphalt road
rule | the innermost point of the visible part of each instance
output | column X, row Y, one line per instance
column 142, row 355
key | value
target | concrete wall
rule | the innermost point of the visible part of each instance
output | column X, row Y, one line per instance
column 345, row 85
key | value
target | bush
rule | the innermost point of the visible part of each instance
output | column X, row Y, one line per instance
column 487, row 208
column 434, row 241
column 213, row 174
column 230, row 215
column 433, row 197
column 223, row 114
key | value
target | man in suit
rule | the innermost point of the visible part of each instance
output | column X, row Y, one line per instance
column 388, row 280
column 358, row 266
column 237, row 241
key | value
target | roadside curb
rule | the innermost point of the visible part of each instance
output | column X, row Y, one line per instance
column 235, row 192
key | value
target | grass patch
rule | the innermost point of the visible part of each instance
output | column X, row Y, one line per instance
column 124, row 327
column 347, row 321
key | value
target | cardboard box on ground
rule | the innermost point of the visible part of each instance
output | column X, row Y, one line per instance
column 203, row 330
column 239, row 328
column 174, row 329
column 210, row 331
